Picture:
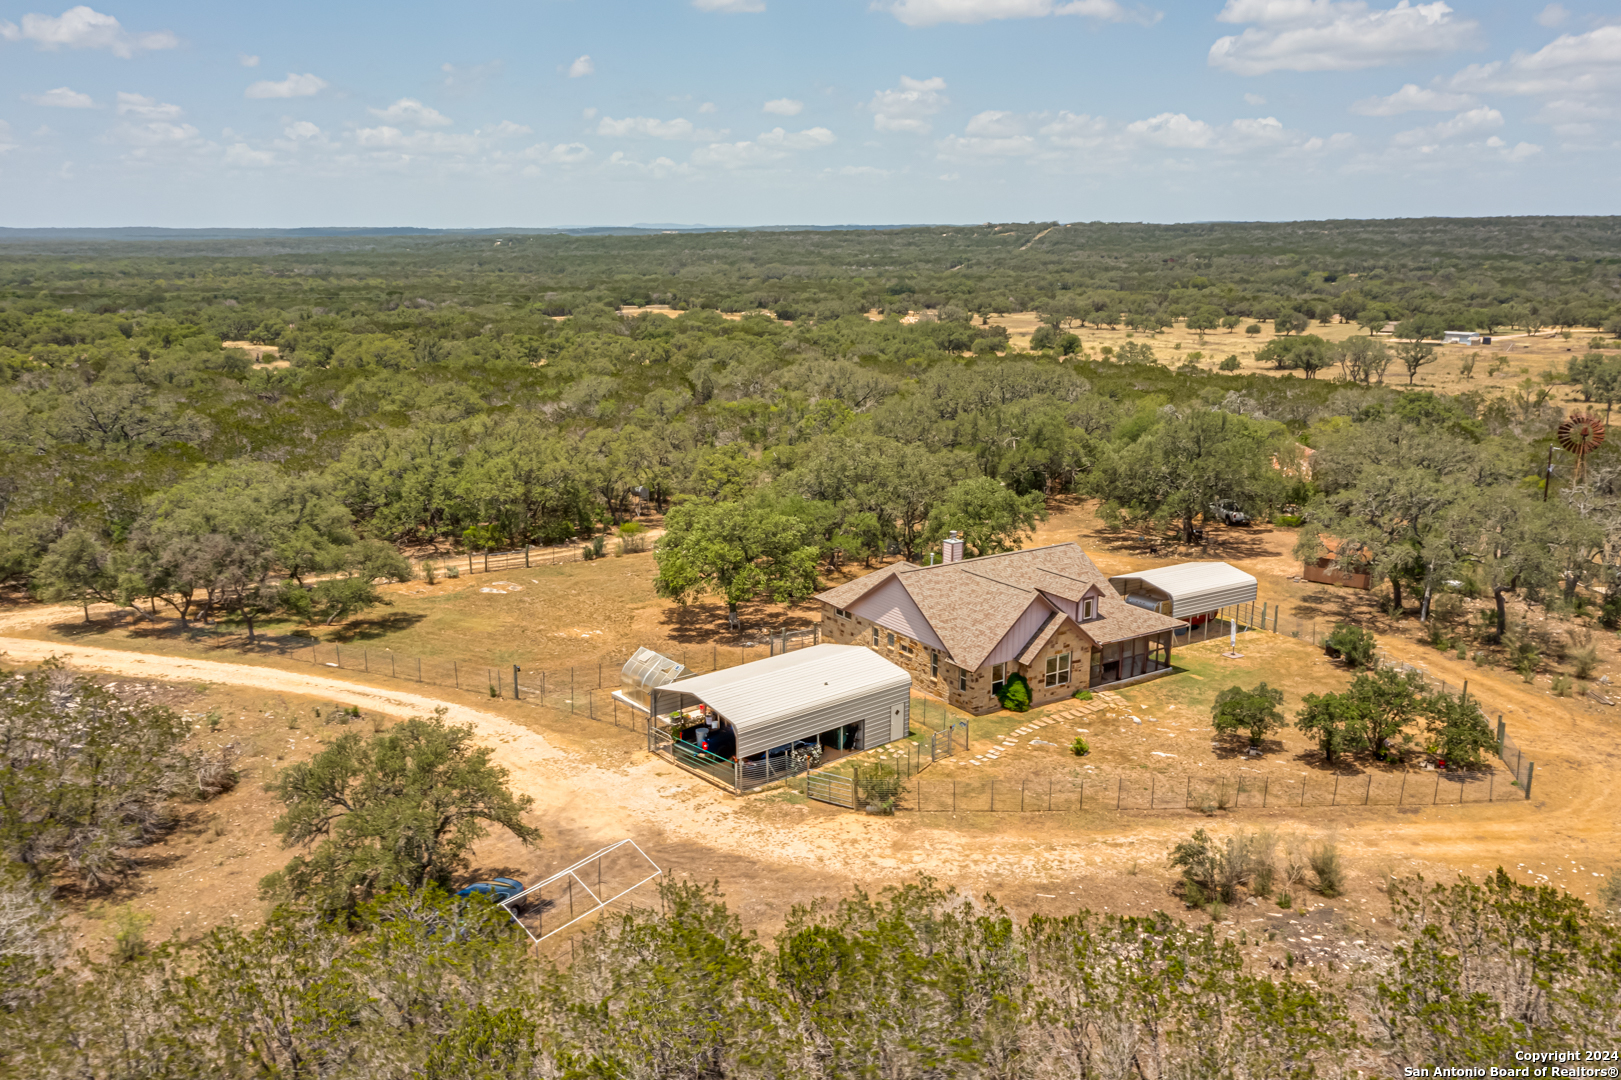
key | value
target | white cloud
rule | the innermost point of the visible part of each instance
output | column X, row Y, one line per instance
column 61, row 98
column 589, row 113
column 243, row 155
column 1412, row 98
column 291, row 87
column 411, row 111
column 302, row 129
column 647, row 126
column 707, row 107
column 247, row 60
column 1074, row 131
column 1335, row 35
column 934, row 12
column 5, row 137
column 387, row 137
column 1572, row 65
column 1174, row 130
column 1431, row 137
column 737, row 155
column 972, row 148
column 658, row 168
column 506, row 129
column 994, row 124
column 1553, row 15
column 783, row 107
column 582, row 67
column 907, row 108
column 809, row 139
column 157, row 134
column 1254, row 99
column 568, row 153
column 145, row 107
column 85, row 28
column 862, row 170
column 730, row 7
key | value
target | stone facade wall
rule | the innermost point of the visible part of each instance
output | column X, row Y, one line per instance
column 1069, row 640
column 977, row 700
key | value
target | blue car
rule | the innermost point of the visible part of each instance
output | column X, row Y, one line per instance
column 498, row 890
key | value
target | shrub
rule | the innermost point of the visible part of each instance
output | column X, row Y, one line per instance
column 1563, row 685
column 1230, row 364
column 427, row 571
column 129, row 935
column 1288, row 521
column 1082, row 695
column 878, row 787
column 1352, row 644
column 598, row 543
column 1326, row 869
column 453, row 571
column 1286, row 900
column 1609, row 613
column 1079, row 747
column 1015, row 694
column 1584, row 657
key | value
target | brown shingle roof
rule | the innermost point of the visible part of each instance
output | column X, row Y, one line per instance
column 973, row 604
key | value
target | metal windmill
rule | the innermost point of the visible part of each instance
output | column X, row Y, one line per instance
column 1581, row 435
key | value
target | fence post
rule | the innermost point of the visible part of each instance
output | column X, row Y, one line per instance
column 486, row 562
column 515, row 692
column 1151, row 785
column 1303, row 780
column 419, row 669
column 1336, row 798
column 1118, row 792
column 1187, row 795
column 1501, row 731
column 1436, row 796
column 456, row 670
column 1021, row 795
column 1403, row 792
column 571, row 691
column 993, row 794
column 337, row 655
column 391, row 664
column 365, row 658
column 526, row 556
column 469, row 562
column 1529, row 772
column 1366, row 795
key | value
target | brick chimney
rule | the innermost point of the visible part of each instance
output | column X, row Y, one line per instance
column 951, row 548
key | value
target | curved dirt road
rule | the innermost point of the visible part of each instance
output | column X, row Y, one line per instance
column 605, row 797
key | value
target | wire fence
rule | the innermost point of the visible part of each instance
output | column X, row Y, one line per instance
column 1207, row 794
column 495, row 562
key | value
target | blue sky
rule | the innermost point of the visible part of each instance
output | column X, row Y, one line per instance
column 737, row 112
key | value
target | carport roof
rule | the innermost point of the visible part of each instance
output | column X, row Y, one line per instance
column 763, row 692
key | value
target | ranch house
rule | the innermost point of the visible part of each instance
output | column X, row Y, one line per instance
column 963, row 628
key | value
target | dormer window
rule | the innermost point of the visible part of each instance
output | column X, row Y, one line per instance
column 1089, row 608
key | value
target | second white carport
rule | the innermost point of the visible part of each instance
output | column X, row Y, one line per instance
column 1187, row 591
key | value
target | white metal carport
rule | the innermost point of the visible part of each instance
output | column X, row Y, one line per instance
column 1185, row 590
column 776, row 701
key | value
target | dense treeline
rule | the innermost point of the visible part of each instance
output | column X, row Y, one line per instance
column 914, row 982
column 458, row 392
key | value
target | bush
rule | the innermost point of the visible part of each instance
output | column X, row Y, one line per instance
column 1015, row 694
column 453, row 571
column 1326, row 869
column 1079, row 747
column 1082, row 695
column 1609, row 615
column 1584, row 658
column 1352, row 644
column 1230, row 364
column 1289, row 521
column 878, row 787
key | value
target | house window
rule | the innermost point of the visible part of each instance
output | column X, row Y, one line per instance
column 962, row 679
column 1088, row 608
column 905, row 648
column 998, row 677
column 1058, row 670
column 841, row 613
column 875, row 637
column 934, row 664
column 891, row 641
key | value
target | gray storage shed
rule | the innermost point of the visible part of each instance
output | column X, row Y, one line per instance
column 1186, row 590
column 778, row 700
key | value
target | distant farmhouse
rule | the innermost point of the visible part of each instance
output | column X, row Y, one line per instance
column 963, row 628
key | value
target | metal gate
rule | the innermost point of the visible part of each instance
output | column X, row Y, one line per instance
column 831, row 788
column 946, row 743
